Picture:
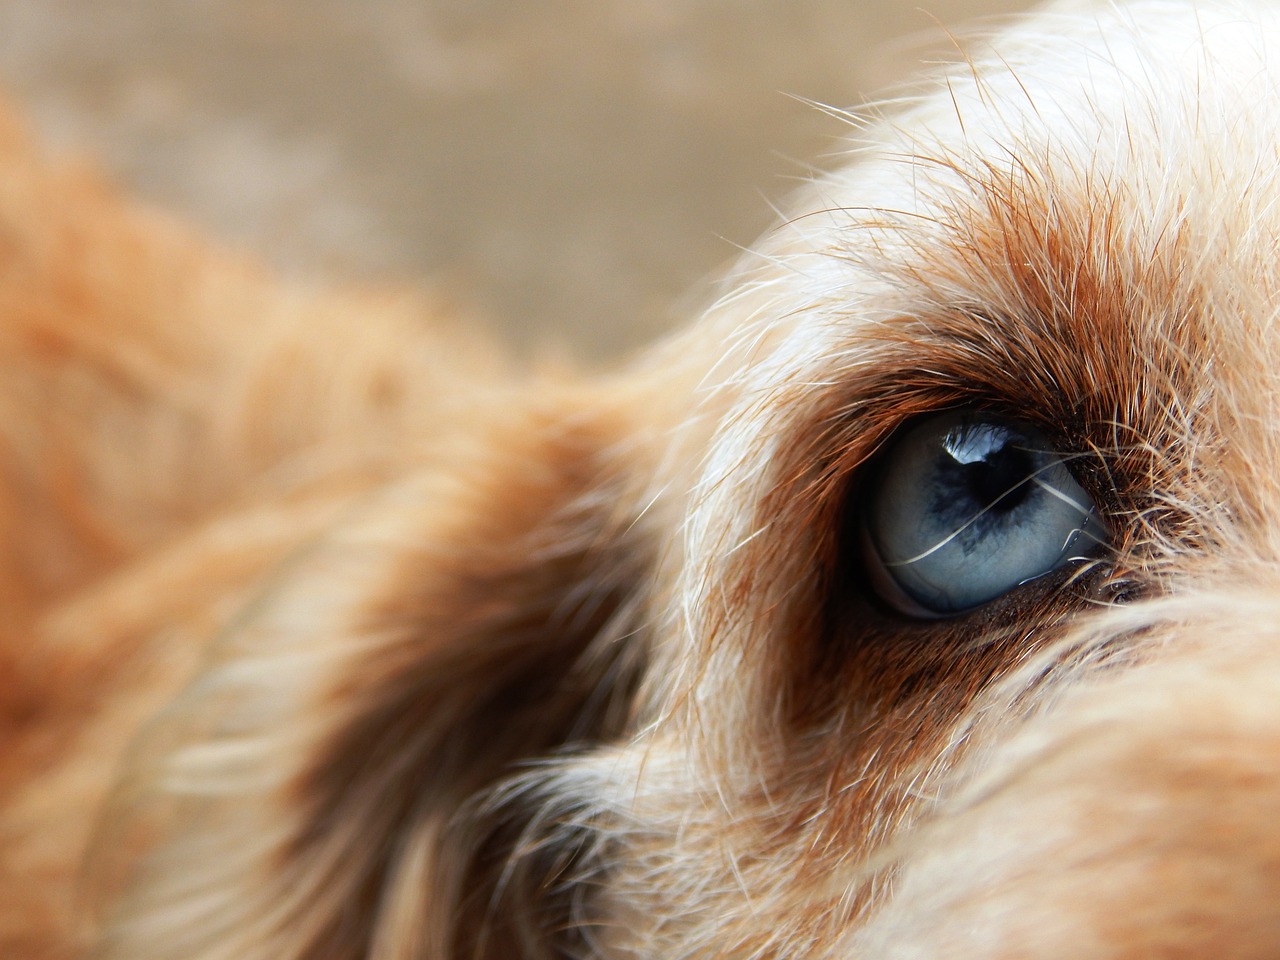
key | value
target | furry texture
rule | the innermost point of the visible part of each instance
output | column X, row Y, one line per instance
column 325, row 637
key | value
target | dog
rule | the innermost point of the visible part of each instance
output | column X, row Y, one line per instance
column 921, row 600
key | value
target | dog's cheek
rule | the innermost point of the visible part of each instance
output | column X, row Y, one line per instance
column 486, row 622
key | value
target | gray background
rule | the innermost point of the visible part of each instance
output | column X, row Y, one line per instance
column 571, row 167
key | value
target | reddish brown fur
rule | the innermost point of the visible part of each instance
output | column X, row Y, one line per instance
column 328, row 637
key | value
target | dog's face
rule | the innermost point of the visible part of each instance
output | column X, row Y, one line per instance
column 921, row 601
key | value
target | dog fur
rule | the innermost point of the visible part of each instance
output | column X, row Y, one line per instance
column 329, row 636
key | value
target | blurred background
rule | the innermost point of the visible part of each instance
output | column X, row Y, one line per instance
column 573, row 168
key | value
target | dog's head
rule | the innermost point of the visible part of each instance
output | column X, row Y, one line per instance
column 920, row 601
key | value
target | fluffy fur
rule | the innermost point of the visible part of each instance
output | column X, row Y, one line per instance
column 327, row 637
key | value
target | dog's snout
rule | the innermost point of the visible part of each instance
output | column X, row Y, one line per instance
column 1136, row 817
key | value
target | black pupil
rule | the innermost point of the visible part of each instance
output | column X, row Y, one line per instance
column 990, row 466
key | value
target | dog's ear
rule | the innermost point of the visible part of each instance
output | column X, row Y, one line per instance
column 393, row 681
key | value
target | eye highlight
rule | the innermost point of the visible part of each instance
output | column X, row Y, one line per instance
column 965, row 507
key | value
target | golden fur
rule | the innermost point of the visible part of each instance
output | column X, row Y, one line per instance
column 327, row 636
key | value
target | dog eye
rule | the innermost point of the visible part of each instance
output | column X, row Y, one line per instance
column 967, row 506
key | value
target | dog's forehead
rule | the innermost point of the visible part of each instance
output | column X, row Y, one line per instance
column 1084, row 184
column 1068, row 125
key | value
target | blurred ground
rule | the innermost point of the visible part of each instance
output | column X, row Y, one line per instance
column 571, row 166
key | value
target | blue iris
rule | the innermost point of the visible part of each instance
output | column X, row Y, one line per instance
column 967, row 507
